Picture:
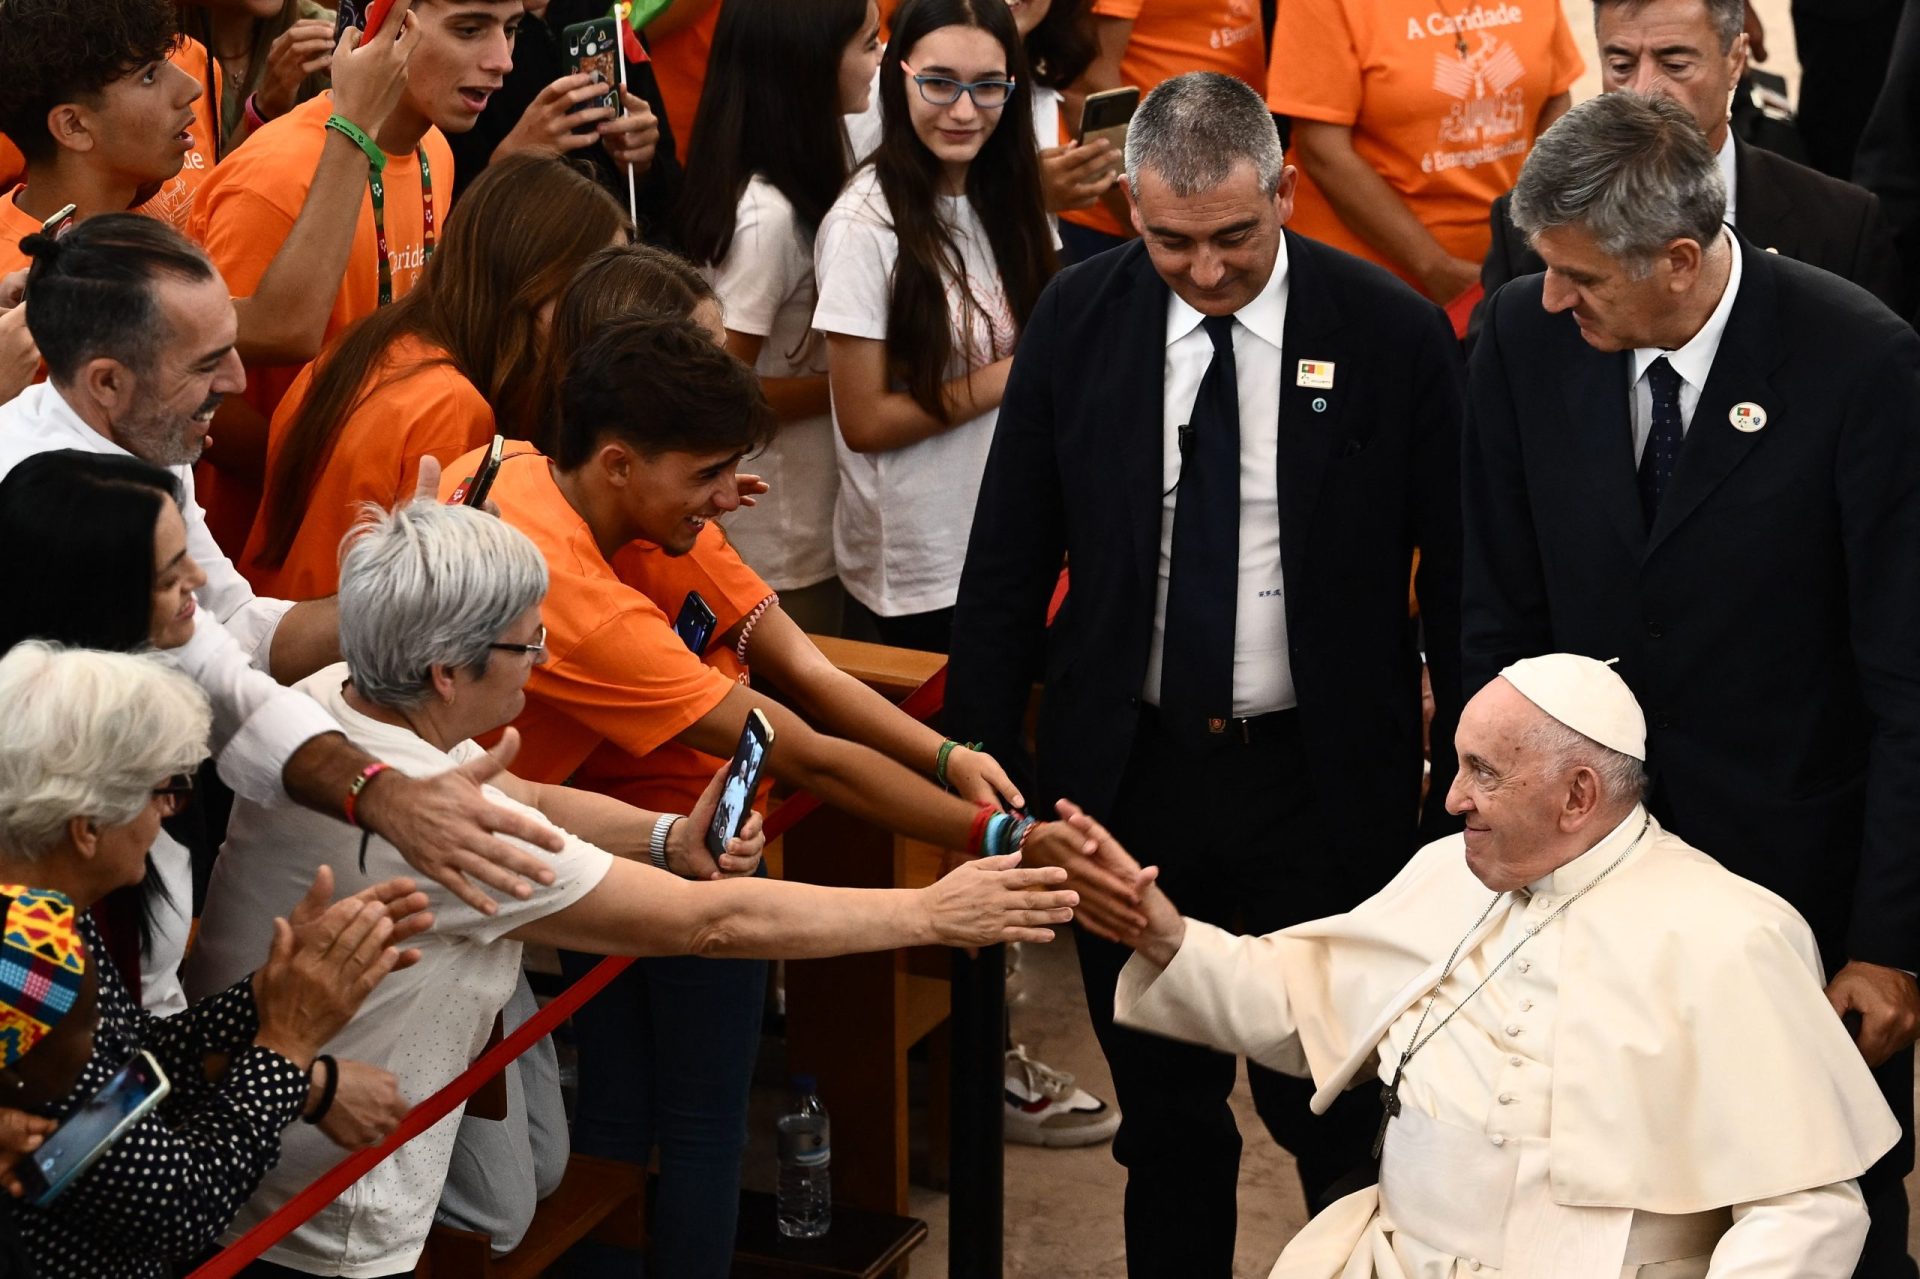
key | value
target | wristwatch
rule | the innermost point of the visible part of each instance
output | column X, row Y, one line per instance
column 657, row 846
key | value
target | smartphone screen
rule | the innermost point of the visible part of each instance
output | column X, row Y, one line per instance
column 92, row 1129
column 474, row 489
column 592, row 47
column 695, row 624
column 743, row 778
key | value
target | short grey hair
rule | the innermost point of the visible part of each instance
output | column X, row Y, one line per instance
column 428, row 585
column 1194, row 129
column 1634, row 172
column 1559, row 748
column 1729, row 16
column 89, row 734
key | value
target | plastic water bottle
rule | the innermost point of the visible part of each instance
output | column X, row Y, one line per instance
column 805, row 1201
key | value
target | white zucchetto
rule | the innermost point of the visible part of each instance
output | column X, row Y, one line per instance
column 1586, row 696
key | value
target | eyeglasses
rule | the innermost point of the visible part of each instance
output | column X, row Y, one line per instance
column 536, row 650
column 174, row 793
column 944, row 91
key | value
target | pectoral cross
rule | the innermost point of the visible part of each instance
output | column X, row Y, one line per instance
column 1389, row 1105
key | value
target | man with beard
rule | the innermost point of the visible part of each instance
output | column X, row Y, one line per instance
column 137, row 330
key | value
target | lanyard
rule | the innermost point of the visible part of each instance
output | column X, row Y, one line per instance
column 377, row 188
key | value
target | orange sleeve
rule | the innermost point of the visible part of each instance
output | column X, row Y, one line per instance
column 630, row 680
column 241, row 230
column 1315, row 70
column 1128, row 9
column 1567, row 63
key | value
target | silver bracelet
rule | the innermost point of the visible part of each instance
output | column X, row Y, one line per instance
column 657, row 846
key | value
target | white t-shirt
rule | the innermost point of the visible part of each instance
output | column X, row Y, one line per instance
column 766, row 285
column 426, row 1023
column 900, row 527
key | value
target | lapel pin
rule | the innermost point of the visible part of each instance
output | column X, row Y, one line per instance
column 1319, row 404
column 1747, row 416
column 1315, row 375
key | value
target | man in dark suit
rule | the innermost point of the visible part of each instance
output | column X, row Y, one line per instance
column 1236, row 438
column 1694, row 51
column 1704, row 460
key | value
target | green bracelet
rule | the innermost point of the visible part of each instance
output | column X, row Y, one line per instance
column 940, row 762
column 358, row 136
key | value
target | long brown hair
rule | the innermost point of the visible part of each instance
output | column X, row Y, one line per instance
column 626, row 280
column 514, row 240
column 1003, row 185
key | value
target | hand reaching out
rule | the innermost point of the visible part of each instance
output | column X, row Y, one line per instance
column 687, row 852
column 1161, row 928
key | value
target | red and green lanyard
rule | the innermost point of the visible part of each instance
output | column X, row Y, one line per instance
column 377, row 188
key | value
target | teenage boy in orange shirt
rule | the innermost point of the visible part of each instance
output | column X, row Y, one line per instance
column 104, row 123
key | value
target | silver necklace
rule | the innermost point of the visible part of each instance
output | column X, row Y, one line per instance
column 1390, row 1094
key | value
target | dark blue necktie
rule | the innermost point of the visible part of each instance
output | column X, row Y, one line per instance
column 1663, row 439
column 1196, row 673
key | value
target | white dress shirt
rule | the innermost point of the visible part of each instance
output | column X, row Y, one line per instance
column 257, row 724
column 1729, row 176
column 1692, row 362
column 1262, row 673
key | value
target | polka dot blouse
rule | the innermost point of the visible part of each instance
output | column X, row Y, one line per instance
column 160, row 1197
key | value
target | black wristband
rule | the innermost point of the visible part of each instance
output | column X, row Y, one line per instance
column 326, row 1093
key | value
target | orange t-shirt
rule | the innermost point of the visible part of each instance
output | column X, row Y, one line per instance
column 244, row 212
column 15, row 226
column 414, row 403
column 680, row 69
column 1172, row 37
column 1448, row 131
column 173, row 202
column 13, row 165
column 615, row 671
column 670, row 779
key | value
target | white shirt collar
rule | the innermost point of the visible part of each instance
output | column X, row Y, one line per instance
column 1265, row 317
column 1728, row 174
column 1584, row 869
column 1693, row 360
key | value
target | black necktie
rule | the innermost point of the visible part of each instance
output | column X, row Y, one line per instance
column 1663, row 439
column 1196, row 673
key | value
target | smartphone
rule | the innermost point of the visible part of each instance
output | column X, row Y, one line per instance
column 365, row 14
column 1105, row 115
column 474, row 489
column 99, row 1121
column 743, row 778
column 695, row 624
column 592, row 47
column 56, row 226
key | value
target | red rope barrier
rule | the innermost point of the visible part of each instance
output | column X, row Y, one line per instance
column 921, row 704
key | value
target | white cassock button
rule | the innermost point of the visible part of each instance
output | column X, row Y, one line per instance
column 1507, row 1099
column 1513, row 1030
column 1526, row 1005
column 1525, row 965
column 1472, row 1265
column 1515, row 1061
column 1543, row 903
column 1497, row 1140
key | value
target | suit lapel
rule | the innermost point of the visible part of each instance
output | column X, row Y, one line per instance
column 1713, row 446
column 1311, row 418
column 1762, row 208
column 1599, row 446
column 1139, row 401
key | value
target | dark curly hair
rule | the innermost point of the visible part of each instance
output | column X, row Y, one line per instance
column 55, row 51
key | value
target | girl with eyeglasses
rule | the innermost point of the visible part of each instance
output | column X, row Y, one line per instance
column 773, row 156
column 928, row 266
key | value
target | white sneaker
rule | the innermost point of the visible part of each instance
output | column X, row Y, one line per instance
column 1045, row 1109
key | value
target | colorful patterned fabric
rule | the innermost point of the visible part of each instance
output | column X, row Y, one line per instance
column 43, row 965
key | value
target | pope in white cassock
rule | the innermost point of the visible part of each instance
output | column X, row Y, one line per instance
column 1602, row 1054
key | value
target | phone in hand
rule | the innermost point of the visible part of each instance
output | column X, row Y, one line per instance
column 695, row 624
column 473, row 490
column 594, row 48
column 90, row 1131
column 743, row 778
column 365, row 14
column 1106, row 115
